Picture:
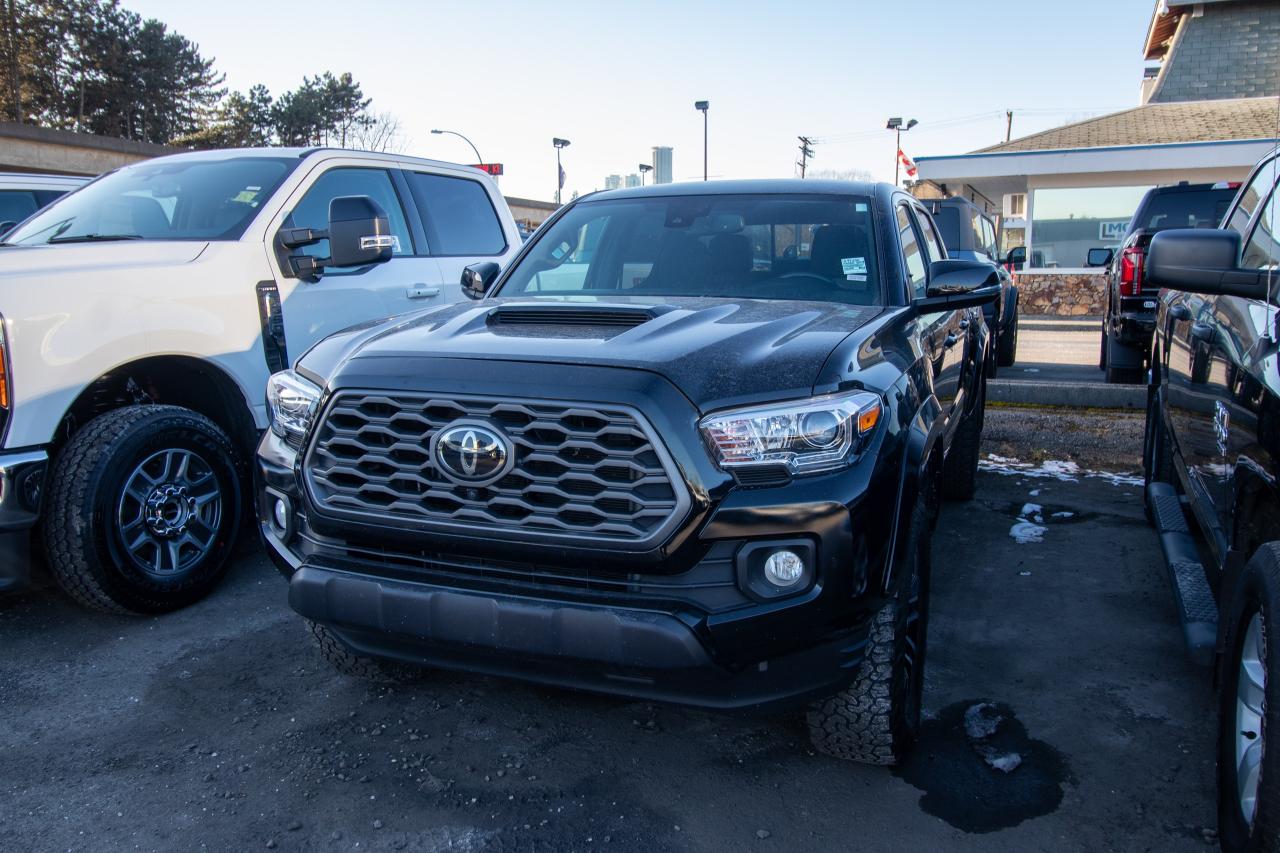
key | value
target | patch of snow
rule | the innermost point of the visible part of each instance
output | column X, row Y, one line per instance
column 1063, row 471
column 1063, row 514
column 1025, row 574
column 1005, row 762
column 1032, row 512
column 1027, row 532
column 981, row 721
column 1035, row 493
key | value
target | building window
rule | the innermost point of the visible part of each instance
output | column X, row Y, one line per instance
column 1067, row 223
column 1015, row 205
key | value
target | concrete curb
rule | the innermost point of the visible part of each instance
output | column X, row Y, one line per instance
column 1096, row 395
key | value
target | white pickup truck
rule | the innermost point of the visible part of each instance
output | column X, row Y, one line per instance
column 141, row 316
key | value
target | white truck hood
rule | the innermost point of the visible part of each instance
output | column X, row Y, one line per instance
column 23, row 261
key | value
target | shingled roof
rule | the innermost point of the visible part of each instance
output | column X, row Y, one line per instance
column 1158, row 124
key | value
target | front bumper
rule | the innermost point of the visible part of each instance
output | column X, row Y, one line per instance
column 630, row 652
column 22, row 476
column 680, row 624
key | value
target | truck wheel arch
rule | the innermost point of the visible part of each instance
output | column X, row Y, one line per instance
column 922, row 458
column 193, row 383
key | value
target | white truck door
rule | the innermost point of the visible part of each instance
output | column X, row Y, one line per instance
column 339, row 298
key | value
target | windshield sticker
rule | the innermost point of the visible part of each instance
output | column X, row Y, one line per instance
column 855, row 277
column 852, row 266
column 860, row 207
column 246, row 196
column 560, row 251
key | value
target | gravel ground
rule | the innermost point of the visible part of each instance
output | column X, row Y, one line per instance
column 219, row 728
column 1104, row 440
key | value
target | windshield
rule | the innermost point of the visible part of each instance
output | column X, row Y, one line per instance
column 161, row 200
column 1200, row 209
column 807, row 247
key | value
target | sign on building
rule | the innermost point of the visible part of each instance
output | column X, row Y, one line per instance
column 1113, row 231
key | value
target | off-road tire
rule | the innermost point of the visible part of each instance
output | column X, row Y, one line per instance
column 355, row 665
column 1256, row 591
column 876, row 719
column 960, row 471
column 1007, row 343
column 80, row 529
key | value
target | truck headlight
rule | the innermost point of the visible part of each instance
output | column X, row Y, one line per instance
column 292, row 401
column 808, row 436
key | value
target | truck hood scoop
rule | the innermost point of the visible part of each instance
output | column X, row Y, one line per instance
column 612, row 316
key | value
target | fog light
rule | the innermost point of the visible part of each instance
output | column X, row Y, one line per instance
column 784, row 568
column 281, row 511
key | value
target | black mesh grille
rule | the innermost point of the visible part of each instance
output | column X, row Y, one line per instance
column 581, row 470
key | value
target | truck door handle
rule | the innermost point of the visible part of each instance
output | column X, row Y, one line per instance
column 1180, row 312
column 421, row 291
column 951, row 340
column 1202, row 332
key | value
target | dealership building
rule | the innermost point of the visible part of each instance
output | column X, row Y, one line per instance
column 1208, row 113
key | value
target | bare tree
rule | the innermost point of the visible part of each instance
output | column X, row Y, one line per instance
column 840, row 174
column 381, row 132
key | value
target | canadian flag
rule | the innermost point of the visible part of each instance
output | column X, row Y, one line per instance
column 908, row 165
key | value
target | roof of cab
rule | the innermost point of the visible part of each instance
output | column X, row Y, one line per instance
column 778, row 186
column 300, row 153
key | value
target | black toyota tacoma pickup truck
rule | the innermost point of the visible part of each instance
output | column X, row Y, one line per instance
column 1129, row 314
column 1212, row 458
column 688, row 447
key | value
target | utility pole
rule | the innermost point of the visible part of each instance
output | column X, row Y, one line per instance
column 703, row 107
column 806, row 151
column 1008, row 125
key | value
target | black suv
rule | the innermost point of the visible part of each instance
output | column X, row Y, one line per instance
column 1130, row 311
column 1212, row 457
column 688, row 447
column 970, row 234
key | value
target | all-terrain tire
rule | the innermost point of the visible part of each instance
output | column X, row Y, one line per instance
column 1007, row 345
column 876, row 719
column 355, row 665
column 83, row 534
column 960, row 472
column 1255, row 593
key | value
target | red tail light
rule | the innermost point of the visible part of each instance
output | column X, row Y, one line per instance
column 1131, row 271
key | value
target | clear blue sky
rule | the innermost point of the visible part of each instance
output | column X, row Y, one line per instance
column 617, row 78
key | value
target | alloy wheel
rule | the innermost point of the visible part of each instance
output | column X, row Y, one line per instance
column 169, row 512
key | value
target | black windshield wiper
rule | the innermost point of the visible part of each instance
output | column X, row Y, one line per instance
column 93, row 238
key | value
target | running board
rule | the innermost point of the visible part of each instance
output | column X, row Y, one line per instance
column 1197, row 608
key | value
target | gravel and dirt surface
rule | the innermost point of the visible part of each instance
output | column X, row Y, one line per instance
column 1062, row 715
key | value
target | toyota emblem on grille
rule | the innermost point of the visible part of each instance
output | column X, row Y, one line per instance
column 472, row 453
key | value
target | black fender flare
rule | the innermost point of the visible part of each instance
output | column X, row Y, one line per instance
column 922, row 442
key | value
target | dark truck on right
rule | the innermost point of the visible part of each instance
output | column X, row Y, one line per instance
column 1130, row 310
column 1212, row 463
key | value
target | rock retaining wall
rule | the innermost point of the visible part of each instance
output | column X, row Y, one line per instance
column 1060, row 294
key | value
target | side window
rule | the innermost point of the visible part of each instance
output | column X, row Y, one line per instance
column 931, row 241
column 1252, row 196
column 1262, row 252
column 457, row 214
column 17, row 205
column 989, row 238
column 313, row 210
column 979, row 235
column 912, row 258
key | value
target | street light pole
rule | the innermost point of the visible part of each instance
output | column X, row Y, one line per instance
column 703, row 107
column 644, row 168
column 559, row 144
column 895, row 124
column 475, row 150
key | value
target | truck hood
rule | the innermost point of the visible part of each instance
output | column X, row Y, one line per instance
column 25, row 261
column 714, row 350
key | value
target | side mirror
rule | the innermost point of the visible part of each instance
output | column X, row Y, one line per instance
column 1017, row 256
column 1099, row 257
column 1202, row 260
column 958, row 284
column 478, row 278
column 359, row 232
